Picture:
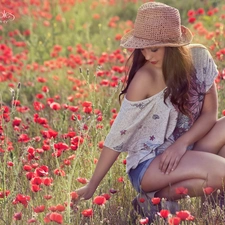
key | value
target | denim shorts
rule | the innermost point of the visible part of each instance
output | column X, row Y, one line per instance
column 136, row 175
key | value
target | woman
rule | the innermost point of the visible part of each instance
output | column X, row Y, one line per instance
column 168, row 118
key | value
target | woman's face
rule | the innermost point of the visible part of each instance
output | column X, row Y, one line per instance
column 154, row 55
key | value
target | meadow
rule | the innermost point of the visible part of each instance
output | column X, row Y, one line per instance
column 61, row 70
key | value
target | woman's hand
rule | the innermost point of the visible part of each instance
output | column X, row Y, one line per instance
column 171, row 157
column 85, row 192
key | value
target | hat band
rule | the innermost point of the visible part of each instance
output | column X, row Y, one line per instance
column 167, row 40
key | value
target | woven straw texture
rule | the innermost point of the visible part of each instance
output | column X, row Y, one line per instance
column 157, row 24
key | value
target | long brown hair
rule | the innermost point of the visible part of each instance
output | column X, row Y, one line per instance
column 177, row 70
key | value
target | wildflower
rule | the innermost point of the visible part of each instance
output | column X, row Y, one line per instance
column 23, row 138
column 181, row 191
column 60, row 208
column 107, row 196
column 208, row 190
column 60, row 172
column 141, row 200
column 183, row 215
column 200, row 11
column 47, row 197
column 32, row 220
column 191, row 13
column 55, row 106
column 56, row 217
column 101, row 143
column 144, row 221
column 36, row 180
column 74, row 195
column 47, row 181
column 17, row 216
column 113, row 191
column 35, row 188
column 82, row 180
column 191, row 19
column 174, row 221
column 164, row 213
column 121, row 179
column 99, row 200
column 4, row 193
column 38, row 106
column 87, row 212
column 155, row 201
column 23, row 199
column 39, row 209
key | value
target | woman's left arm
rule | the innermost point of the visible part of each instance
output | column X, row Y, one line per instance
column 172, row 155
column 206, row 120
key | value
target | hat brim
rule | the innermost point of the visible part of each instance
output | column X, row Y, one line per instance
column 130, row 41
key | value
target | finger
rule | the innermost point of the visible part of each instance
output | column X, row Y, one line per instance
column 175, row 164
column 170, row 166
column 162, row 160
column 165, row 165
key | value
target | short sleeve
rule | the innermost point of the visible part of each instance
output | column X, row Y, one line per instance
column 136, row 127
column 128, row 121
column 205, row 66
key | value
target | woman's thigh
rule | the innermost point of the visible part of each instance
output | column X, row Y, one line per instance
column 214, row 140
column 210, row 168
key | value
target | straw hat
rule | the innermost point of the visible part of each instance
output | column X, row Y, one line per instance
column 157, row 24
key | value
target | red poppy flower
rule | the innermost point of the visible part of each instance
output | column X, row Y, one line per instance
column 4, row 193
column 60, row 208
column 208, row 190
column 55, row 106
column 156, row 201
column 23, row 199
column 74, row 195
column 35, row 188
column 39, row 209
column 144, row 221
column 38, row 106
column 107, row 196
column 174, row 221
column 23, row 138
column 17, row 216
column 16, row 102
column 61, row 146
column 56, row 217
column 183, row 215
column 141, row 200
column 164, row 213
column 99, row 200
column 42, row 171
column 45, row 89
column 47, row 181
column 47, row 197
column 32, row 220
column 41, row 79
column 60, row 172
column 200, row 11
column 82, row 180
column 87, row 212
column 16, row 121
column 36, row 180
column 181, row 191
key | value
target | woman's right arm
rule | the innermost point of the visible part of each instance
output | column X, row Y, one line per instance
column 106, row 160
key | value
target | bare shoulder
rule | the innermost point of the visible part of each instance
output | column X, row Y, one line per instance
column 140, row 85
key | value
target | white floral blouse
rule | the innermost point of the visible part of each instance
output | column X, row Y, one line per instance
column 146, row 128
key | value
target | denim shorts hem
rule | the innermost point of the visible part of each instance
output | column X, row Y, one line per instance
column 136, row 175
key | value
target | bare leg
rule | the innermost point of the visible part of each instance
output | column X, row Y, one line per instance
column 196, row 170
column 214, row 141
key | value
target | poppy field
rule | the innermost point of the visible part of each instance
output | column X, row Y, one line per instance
column 61, row 71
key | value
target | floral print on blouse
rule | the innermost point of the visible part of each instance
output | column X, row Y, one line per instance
column 146, row 128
